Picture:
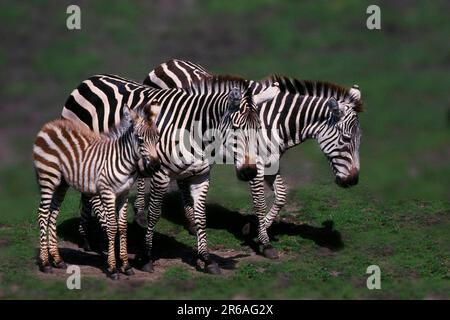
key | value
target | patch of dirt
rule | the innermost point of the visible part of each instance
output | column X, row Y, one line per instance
column 240, row 296
column 388, row 250
column 335, row 273
column 283, row 281
column 93, row 265
column 436, row 218
column 4, row 243
column 325, row 252
column 436, row 296
column 169, row 252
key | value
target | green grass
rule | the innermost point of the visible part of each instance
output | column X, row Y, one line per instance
column 398, row 215
column 407, row 239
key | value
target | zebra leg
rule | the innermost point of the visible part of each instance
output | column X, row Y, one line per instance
column 260, row 207
column 139, row 203
column 126, row 268
column 48, row 184
column 188, row 204
column 277, row 185
column 43, row 218
column 85, row 218
column 58, row 198
column 109, row 204
column 198, row 187
column 159, row 183
column 100, row 213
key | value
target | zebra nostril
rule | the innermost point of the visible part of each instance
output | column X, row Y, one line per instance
column 341, row 182
column 348, row 181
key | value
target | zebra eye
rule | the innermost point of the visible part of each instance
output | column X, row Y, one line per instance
column 346, row 137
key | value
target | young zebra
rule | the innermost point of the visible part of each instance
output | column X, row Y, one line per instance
column 215, row 104
column 105, row 166
column 301, row 110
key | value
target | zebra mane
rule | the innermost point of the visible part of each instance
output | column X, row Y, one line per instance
column 315, row 88
column 83, row 130
column 217, row 83
column 76, row 126
column 120, row 129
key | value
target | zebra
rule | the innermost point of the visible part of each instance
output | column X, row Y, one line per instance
column 302, row 110
column 221, row 104
column 104, row 166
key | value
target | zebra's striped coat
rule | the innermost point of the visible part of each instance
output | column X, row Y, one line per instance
column 191, row 111
column 66, row 154
column 302, row 110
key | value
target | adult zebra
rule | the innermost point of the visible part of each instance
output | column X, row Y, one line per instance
column 208, row 110
column 302, row 110
column 67, row 154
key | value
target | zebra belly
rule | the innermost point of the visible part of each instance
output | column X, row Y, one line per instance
column 88, row 187
column 83, row 179
column 187, row 171
column 126, row 185
column 177, row 167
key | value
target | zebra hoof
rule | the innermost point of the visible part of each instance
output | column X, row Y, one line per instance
column 270, row 252
column 212, row 268
column 113, row 275
column 148, row 267
column 129, row 271
column 60, row 265
column 86, row 246
column 46, row 269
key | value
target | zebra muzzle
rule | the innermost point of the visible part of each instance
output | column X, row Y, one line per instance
column 149, row 166
column 247, row 172
column 348, row 181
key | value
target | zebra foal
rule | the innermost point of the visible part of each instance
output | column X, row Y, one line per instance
column 66, row 154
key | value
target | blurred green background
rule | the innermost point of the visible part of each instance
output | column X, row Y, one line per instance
column 398, row 215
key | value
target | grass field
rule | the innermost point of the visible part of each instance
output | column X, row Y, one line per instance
column 398, row 217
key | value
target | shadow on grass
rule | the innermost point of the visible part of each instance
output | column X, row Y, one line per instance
column 242, row 227
column 166, row 247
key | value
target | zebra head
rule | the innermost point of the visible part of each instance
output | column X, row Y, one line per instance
column 145, row 135
column 340, row 136
column 241, row 125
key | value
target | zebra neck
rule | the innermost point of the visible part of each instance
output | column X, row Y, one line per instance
column 300, row 118
column 126, row 150
column 189, row 110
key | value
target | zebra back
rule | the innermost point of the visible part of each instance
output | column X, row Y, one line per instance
column 176, row 74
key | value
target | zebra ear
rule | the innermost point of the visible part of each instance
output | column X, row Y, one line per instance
column 234, row 98
column 267, row 94
column 152, row 110
column 334, row 108
column 355, row 92
column 127, row 114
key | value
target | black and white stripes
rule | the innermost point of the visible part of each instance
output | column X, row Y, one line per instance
column 205, row 119
column 300, row 111
column 67, row 154
column 190, row 122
